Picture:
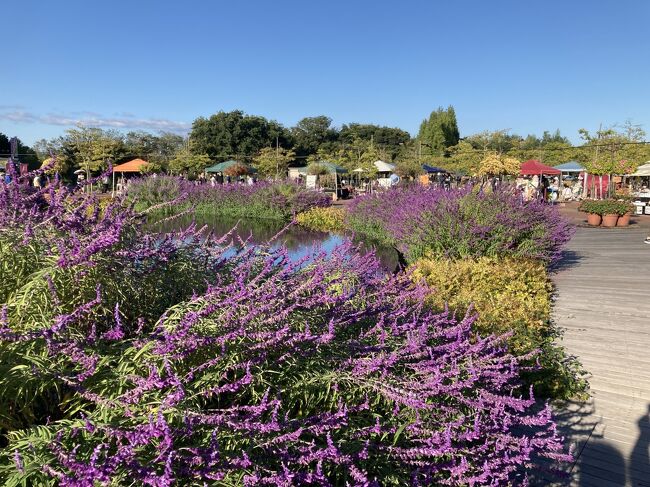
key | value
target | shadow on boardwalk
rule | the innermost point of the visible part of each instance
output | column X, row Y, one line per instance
column 570, row 259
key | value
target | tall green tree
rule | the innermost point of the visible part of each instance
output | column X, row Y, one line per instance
column 439, row 131
column 313, row 133
column 235, row 135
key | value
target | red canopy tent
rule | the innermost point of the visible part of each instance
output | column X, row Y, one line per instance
column 534, row 167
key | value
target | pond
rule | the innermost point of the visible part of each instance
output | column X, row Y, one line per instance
column 298, row 240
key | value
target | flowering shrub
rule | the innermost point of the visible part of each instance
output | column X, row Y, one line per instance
column 270, row 200
column 423, row 221
column 510, row 296
column 259, row 371
column 327, row 219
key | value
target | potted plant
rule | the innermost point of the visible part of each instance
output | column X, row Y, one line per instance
column 609, row 210
column 592, row 209
column 625, row 210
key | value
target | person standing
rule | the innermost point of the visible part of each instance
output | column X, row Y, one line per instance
column 105, row 182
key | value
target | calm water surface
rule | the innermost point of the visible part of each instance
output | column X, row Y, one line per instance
column 298, row 241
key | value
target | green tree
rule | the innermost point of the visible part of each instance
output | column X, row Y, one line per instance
column 606, row 148
column 187, row 162
column 387, row 141
column 273, row 162
column 496, row 164
column 408, row 163
column 158, row 150
column 313, row 133
column 25, row 153
column 228, row 135
column 439, row 131
column 93, row 147
column 500, row 141
column 463, row 158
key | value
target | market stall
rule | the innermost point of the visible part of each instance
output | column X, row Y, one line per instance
column 135, row 166
column 223, row 168
column 640, row 188
column 571, row 179
column 331, row 169
column 535, row 180
column 384, row 171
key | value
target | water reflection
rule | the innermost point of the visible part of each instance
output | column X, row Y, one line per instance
column 299, row 241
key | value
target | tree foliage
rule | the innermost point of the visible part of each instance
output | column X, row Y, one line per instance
column 612, row 151
column 25, row 153
column 387, row 141
column 273, row 162
column 187, row 162
column 439, row 131
column 313, row 133
column 497, row 164
column 408, row 164
column 235, row 135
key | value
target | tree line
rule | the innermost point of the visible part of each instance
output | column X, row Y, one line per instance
column 272, row 147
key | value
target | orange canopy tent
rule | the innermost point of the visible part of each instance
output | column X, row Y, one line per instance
column 136, row 165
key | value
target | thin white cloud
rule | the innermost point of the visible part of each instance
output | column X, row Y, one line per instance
column 125, row 121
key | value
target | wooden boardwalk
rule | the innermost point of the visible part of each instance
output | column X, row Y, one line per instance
column 603, row 304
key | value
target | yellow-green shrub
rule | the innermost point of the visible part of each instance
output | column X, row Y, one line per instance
column 326, row 219
column 509, row 295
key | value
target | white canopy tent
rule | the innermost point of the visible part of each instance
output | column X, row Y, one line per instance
column 384, row 166
column 643, row 170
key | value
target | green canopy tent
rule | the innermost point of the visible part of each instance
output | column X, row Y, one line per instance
column 335, row 169
column 332, row 168
column 223, row 166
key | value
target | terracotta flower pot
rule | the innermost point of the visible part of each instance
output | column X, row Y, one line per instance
column 610, row 220
column 593, row 219
column 624, row 220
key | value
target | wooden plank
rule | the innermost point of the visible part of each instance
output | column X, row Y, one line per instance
column 602, row 304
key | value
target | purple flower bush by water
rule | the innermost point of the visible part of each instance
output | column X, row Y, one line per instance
column 258, row 371
column 269, row 200
column 425, row 221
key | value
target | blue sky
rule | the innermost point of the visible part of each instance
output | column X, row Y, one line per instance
column 527, row 66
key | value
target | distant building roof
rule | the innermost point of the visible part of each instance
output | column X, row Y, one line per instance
column 643, row 170
column 384, row 166
column 571, row 166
